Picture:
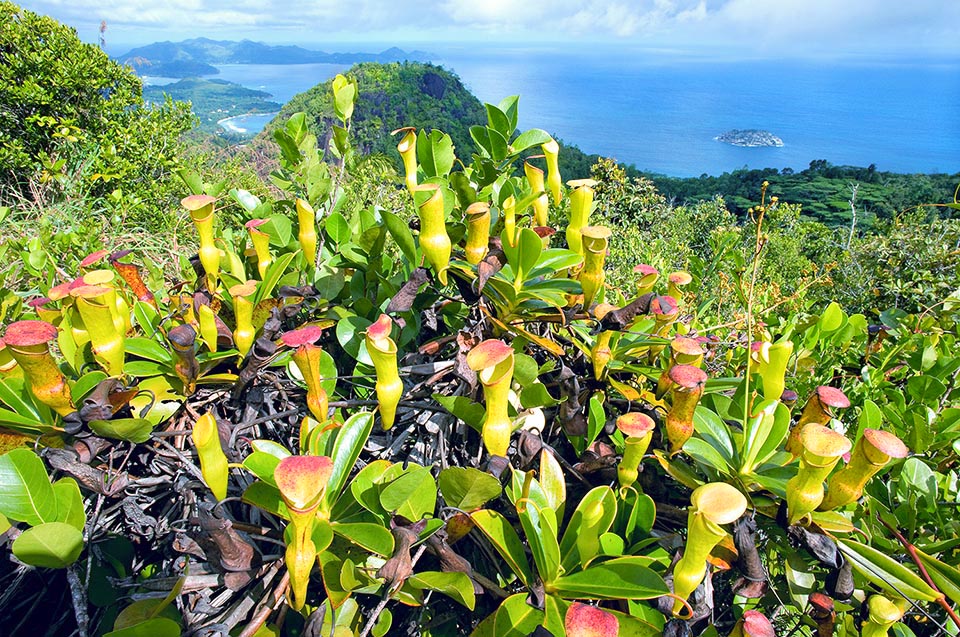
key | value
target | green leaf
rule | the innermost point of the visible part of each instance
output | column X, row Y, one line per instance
column 530, row 247
column 350, row 441
column 274, row 272
column 435, row 153
column 262, row 465
column 26, row 494
column 831, row 319
column 413, row 495
column 540, row 528
column 516, row 618
column 553, row 483
column 536, row 395
column 280, row 230
column 711, row 428
column 344, row 94
column 705, row 453
column 156, row 627
column 400, row 232
column 129, row 429
column 505, row 539
column 467, row 488
column 69, row 503
column 147, row 348
column 266, row 497
column 457, row 586
column 509, row 106
column 85, row 384
column 530, row 138
column 371, row 537
column 917, row 477
column 498, row 121
column 49, row 545
column 492, row 142
column 886, row 572
column 350, row 333
column 619, row 578
column 463, row 408
column 337, row 227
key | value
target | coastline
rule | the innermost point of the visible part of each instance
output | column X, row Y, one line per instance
column 227, row 122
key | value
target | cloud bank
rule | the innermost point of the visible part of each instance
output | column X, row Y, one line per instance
column 749, row 27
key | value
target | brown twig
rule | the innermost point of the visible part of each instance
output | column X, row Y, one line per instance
column 261, row 617
column 912, row 552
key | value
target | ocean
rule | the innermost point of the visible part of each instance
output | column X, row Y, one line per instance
column 661, row 112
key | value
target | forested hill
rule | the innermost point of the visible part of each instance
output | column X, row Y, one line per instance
column 416, row 94
column 825, row 190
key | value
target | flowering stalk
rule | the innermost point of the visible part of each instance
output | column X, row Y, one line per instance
column 712, row 505
column 595, row 240
column 882, row 614
column 493, row 361
column 261, row 245
column 581, row 203
column 201, row 211
column 687, row 384
column 97, row 312
column 244, row 334
column 541, row 205
column 408, row 152
column 307, row 230
column 637, row 430
column 551, row 152
column 307, row 359
column 819, row 410
column 478, row 231
column 183, row 340
column 434, row 240
column 871, row 454
column 213, row 462
column 822, row 448
column 301, row 481
column 28, row 343
column 383, row 353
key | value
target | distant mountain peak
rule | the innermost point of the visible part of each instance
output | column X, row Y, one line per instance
column 195, row 56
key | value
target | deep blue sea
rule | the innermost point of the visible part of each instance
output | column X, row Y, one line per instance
column 662, row 112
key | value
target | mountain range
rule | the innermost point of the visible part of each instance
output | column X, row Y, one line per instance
column 195, row 57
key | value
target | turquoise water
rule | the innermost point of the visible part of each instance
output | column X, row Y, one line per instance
column 662, row 113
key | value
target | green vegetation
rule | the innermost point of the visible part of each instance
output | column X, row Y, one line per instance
column 213, row 100
column 825, row 190
column 444, row 402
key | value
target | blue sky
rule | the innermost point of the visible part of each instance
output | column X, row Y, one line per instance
column 888, row 29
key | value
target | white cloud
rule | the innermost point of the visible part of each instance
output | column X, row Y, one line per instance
column 746, row 27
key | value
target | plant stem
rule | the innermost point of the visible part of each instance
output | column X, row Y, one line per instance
column 912, row 552
column 375, row 614
column 78, row 595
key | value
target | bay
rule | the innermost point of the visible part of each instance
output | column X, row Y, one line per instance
column 661, row 112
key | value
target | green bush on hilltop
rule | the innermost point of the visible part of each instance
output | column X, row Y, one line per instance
column 70, row 116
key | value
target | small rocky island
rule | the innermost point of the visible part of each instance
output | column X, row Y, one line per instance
column 750, row 138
